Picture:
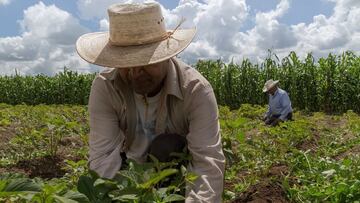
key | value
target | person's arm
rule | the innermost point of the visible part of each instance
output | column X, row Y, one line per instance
column 105, row 135
column 268, row 112
column 286, row 106
column 204, row 144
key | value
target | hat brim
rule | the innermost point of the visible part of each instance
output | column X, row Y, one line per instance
column 95, row 48
column 267, row 89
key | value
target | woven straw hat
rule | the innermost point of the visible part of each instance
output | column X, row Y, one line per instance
column 269, row 84
column 137, row 37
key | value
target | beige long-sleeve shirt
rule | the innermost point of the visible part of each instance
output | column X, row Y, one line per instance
column 187, row 107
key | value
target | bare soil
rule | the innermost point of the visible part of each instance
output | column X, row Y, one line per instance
column 351, row 152
column 279, row 171
column 310, row 144
column 268, row 189
column 6, row 133
column 263, row 192
column 46, row 167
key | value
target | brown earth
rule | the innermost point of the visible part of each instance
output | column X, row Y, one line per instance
column 6, row 133
column 347, row 135
column 12, row 170
column 239, row 176
column 46, row 167
column 310, row 144
column 263, row 192
column 268, row 189
column 355, row 150
column 279, row 171
column 328, row 122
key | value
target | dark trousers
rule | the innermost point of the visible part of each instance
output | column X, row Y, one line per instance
column 272, row 120
column 162, row 147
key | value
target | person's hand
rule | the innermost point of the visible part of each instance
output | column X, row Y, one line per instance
column 264, row 118
column 276, row 122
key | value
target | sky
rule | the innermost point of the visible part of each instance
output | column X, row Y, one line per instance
column 38, row 37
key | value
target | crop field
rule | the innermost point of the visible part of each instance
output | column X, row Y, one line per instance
column 44, row 131
column 331, row 84
column 315, row 158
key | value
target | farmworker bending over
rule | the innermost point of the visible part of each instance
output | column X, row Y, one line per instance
column 279, row 104
column 149, row 97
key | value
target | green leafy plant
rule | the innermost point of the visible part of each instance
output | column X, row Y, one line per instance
column 17, row 188
column 150, row 182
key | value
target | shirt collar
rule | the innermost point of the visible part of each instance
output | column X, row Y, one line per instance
column 275, row 93
column 171, row 84
column 110, row 74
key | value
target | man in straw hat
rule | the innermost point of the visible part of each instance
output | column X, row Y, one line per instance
column 150, row 101
column 279, row 104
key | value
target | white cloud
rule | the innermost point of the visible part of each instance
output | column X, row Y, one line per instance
column 219, row 29
column 4, row 2
column 217, row 23
column 336, row 33
column 90, row 9
column 219, row 33
column 268, row 33
column 97, row 9
column 48, row 33
column 104, row 24
column 46, row 44
column 187, row 9
column 200, row 50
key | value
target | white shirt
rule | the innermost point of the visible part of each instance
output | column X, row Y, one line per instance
column 145, row 128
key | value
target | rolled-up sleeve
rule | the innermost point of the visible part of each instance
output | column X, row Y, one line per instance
column 204, row 144
column 105, row 135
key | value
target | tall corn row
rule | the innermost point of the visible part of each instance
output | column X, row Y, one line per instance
column 67, row 87
column 331, row 84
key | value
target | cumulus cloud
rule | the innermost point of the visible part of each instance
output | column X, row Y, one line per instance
column 336, row 33
column 46, row 44
column 90, row 9
column 4, row 2
column 216, row 31
column 268, row 33
column 48, row 33
column 104, row 24
column 200, row 50
column 97, row 10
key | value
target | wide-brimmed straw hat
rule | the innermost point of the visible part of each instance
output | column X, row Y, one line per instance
column 137, row 37
column 269, row 84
